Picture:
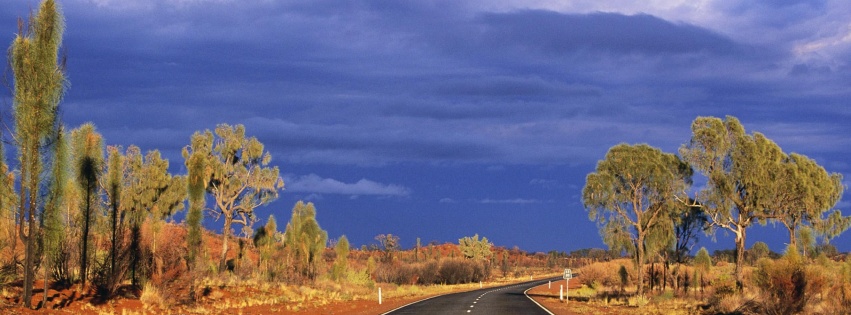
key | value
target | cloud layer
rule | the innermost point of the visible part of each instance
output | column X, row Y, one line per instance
column 444, row 88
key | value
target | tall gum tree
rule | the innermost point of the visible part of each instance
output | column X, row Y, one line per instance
column 239, row 177
column 631, row 194
column 808, row 195
column 39, row 84
column 743, row 177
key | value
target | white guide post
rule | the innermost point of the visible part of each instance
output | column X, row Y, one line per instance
column 379, row 296
column 567, row 276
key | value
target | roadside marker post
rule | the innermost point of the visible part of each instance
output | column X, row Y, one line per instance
column 560, row 292
column 568, row 274
column 379, row 296
column 549, row 284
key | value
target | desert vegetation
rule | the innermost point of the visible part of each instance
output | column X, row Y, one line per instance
column 89, row 227
column 85, row 225
column 645, row 208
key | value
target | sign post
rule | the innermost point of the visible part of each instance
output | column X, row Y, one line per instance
column 567, row 276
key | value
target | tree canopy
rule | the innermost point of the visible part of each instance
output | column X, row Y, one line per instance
column 632, row 194
column 239, row 177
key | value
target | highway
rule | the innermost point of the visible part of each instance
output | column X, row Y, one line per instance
column 508, row 300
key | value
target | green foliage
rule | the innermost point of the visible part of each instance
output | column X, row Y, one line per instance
column 341, row 262
column 150, row 192
column 39, row 84
column 304, row 240
column 112, row 275
column 237, row 175
column 632, row 195
column 787, row 284
column 758, row 251
column 195, row 180
column 808, row 193
column 88, row 165
column 473, row 248
column 702, row 261
column 807, row 240
column 54, row 227
column 266, row 241
column 742, row 172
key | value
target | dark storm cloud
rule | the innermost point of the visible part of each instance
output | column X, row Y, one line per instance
column 443, row 89
column 559, row 34
column 341, row 80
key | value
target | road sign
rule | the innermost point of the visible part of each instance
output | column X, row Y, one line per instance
column 568, row 274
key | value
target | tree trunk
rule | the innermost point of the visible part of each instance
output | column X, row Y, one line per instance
column 29, row 274
column 84, row 252
column 793, row 241
column 225, row 236
column 45, row 264
column 135, row 251
column 639, row 247
column 740, row 257
column 114, row 249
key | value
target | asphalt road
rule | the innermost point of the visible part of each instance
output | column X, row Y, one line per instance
column 508, row 300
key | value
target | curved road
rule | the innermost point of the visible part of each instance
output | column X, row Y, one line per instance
column 510, row 299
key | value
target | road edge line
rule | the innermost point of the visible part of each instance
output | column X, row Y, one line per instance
column 526, row 293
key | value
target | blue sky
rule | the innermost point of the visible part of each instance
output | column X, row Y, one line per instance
column 441, row 119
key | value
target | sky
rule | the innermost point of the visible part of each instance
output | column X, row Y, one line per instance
column 443, row 119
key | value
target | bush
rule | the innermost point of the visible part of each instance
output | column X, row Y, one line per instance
column 446, row 271
column 607, row 274
column 430, row 272
column 786, row 285
column 360, row 278
column 151, row 297
column 839, row 301
column 457, row 271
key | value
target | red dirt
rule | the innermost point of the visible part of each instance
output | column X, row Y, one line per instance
column 549, row 298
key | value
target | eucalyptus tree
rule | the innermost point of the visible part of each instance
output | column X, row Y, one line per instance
column 239, row 179
column 87, row 152
column 39, row 84
column 474, row 248
column 807, row 194
column 304, row 240
column 758, row 251
column 742, row 173
column 149, row 191
column 631, row 195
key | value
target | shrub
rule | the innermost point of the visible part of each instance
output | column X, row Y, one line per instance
column 456, row 271
column 839, row 301
column 786, row 285
column 151, row 297
column 607, row 274
column 360, row 278
column 638, row 300
column 430, row 272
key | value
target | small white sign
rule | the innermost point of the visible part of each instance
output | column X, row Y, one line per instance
column 568, row 274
